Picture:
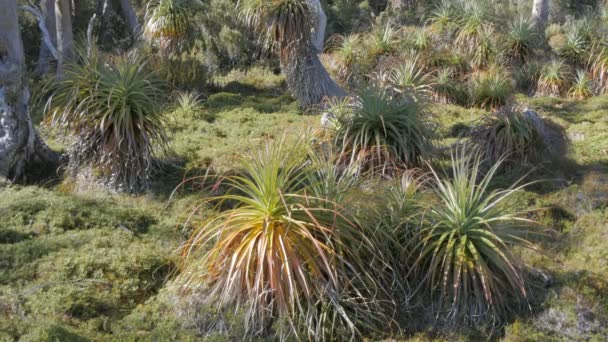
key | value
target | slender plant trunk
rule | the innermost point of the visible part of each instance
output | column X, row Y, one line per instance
column 540, row 13
column 65, row 35
column 44, row 57
column 19, row 142
column 130, row 17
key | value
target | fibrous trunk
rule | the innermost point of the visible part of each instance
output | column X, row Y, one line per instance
column 307, row 79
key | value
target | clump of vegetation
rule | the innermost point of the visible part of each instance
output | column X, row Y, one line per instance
column 385, row 131
column 167, row 22
column 582, row 87
column 522, row 40
column 466, row 259
column 554, row 79
column 518, row 136
column 111, row 112
column 491, row 89
column 280, row 254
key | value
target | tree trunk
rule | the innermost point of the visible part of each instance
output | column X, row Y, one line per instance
column 130, row 17
column 307, row 79
column 19, row 142
column 540, row 13
column 65, row 36
column 320, row 25
column 44, row 57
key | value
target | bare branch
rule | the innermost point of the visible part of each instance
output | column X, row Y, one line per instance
column 46, row 37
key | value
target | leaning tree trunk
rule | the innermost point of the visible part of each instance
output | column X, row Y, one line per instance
column 306, row 77
column 65, row 36
column 44, row 57
column 19, row 142
column 540, row 13
column 130, row 17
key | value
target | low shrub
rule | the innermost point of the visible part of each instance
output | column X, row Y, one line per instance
column 491, row 89
column 519, row 136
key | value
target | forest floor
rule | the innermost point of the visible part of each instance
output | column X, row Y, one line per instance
column 79, row 265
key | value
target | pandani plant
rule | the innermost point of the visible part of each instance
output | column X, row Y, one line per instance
column 284, row 257
column 464, row 250
column 111, row 113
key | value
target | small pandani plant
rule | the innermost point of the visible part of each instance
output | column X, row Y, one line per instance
column 385, row 131
column 582, row 88
column 465, row 247
column 518, row 136
column 491, row 89
column 554, row 79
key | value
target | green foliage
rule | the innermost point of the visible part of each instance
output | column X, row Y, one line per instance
column 599, row 68
column 582, row 87
column 491, row 89
column 281, row 22
column 168, row 21
column 471, row 27
column 518, row 136
column 189, row 103
column 465, row 250
column 281, row 254
column 554, row 79
column 408, row 79
column 522, row 40
column 385, row 131
column 112, row 112
column 446, row 89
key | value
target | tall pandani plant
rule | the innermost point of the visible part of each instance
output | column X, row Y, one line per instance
column 110, row 111
column 465, row 249
column 283, row 256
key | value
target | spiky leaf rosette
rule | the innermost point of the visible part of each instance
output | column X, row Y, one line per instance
column 111, row 112
column 385, row 131
column 465, row 253
column 167, row 21
column 519, row 136
column 283, row 256
column 554, row 79
column 284, row 24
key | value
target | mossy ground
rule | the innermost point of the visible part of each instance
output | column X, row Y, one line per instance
column 93, row 266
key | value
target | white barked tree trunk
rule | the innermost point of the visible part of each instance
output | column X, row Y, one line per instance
column 540, row 13
column 65, row 35
column 19, row 142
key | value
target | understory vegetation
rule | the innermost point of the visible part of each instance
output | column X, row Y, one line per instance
column 448, row 182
